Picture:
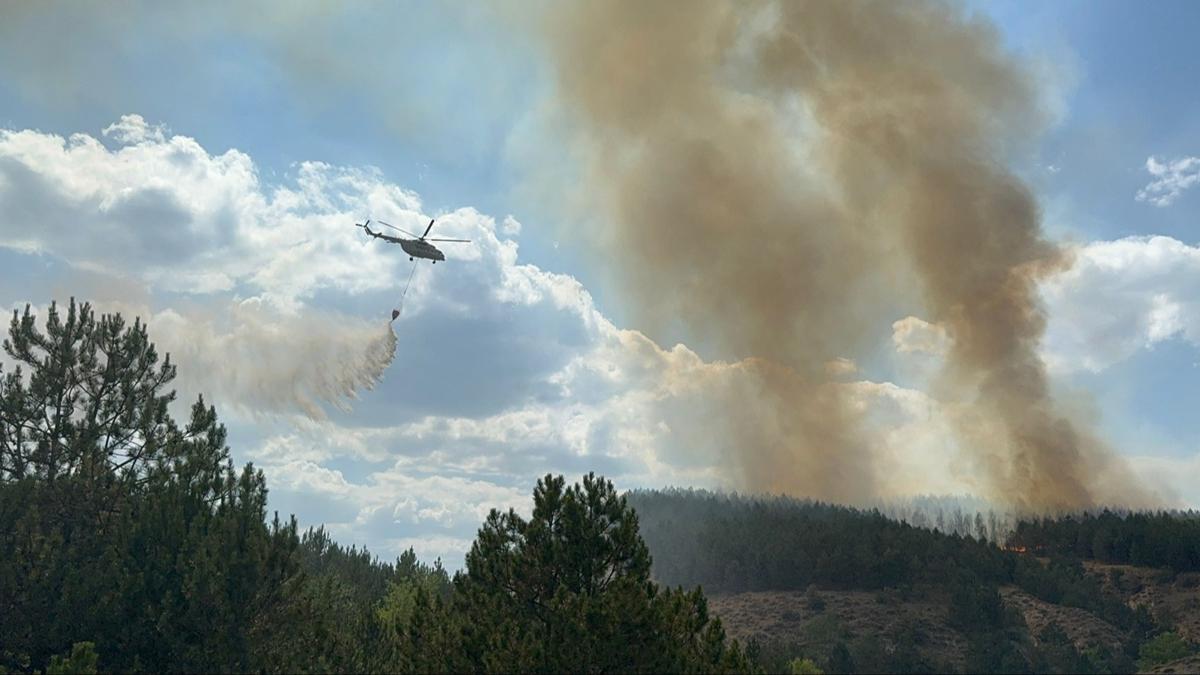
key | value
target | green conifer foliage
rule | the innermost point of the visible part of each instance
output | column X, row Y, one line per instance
column 117, row 526
column 570, row 590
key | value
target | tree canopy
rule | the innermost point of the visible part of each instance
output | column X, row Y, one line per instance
column 118, row 526
column 577, row 574
column 1162, row 539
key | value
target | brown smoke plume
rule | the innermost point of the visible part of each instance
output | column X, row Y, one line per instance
column 777, row 174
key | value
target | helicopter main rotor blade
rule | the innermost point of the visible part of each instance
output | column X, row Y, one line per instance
column 398, row 229
column 460, row 240
column 428, row 228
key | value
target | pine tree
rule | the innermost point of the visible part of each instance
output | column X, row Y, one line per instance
column 117, row 526
column 86, row 399
column 569, row 590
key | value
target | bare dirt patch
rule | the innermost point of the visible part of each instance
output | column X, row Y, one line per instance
column 1083, row 628
column 786, row 617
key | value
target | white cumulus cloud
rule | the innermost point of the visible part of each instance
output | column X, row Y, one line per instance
column 169, row 213
column 133, row 129
column 1120, row 297
column 1171, row 178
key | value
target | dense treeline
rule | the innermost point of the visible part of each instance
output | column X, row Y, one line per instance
column 727, row 543
column 367, row 578
column 1170, row 540
column 130, row 543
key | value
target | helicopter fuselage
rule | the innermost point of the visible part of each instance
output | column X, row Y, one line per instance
column 415, row 248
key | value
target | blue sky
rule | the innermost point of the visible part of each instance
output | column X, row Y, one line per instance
column 506, row 356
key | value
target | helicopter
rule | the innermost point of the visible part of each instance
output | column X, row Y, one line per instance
column 417, row 247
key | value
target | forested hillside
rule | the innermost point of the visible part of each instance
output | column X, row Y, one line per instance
column 801, row 556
